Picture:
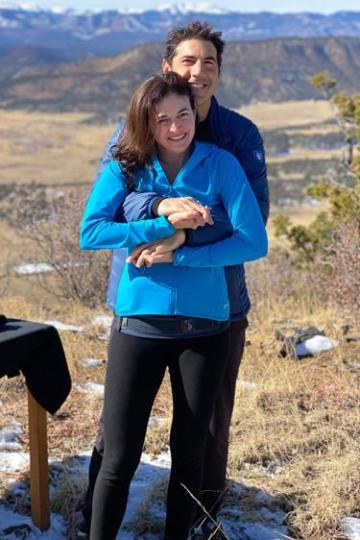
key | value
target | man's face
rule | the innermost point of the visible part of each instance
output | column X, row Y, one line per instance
column 196, row 61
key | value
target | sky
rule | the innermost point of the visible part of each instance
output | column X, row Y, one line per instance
column 279, row 6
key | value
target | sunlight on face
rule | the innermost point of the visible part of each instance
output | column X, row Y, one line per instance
column 174, row 124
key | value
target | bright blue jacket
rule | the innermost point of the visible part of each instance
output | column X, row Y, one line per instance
column 241, row 137
column 195, row 284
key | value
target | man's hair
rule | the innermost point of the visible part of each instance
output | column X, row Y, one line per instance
column 136, row 142
column 193, row 30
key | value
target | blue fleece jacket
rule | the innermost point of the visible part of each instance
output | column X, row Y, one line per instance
column 195, row 284
column 238, row 135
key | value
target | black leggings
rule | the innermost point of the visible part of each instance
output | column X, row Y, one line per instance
column 135, row 371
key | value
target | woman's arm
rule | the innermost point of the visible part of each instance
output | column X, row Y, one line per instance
column 249, row 240
column 98, row 229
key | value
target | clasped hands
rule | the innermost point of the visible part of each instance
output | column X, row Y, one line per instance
column 183, row 213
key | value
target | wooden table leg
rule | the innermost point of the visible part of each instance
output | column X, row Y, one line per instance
column 39, row 468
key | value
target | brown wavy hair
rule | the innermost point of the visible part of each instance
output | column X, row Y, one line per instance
column 136, row 142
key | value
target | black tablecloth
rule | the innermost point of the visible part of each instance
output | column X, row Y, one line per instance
column 35, row 349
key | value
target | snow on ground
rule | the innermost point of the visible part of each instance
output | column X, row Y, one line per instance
column 248, row 385
column 146, row 497
column 91, row 362
column 65, row 327
column 10, row 437
column 91, row 388
column 13, row 461
column 351, row 527
column 15, row 526
column 102, row 320
column 29, row 269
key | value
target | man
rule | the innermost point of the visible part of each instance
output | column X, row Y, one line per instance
column 195, row 52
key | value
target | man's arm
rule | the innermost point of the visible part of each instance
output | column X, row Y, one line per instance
column 138, row 206
column 251, row 156
column 248, row 241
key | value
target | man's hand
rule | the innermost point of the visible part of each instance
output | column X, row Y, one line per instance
column 155, row 251
column 184, row 208
column 189, row 219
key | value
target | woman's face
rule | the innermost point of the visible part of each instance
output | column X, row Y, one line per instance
column 174, row 124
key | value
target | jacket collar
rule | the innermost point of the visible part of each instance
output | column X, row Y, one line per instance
column 200, row 151
column 216, row 118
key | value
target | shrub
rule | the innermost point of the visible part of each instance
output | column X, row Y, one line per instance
column 77, row 275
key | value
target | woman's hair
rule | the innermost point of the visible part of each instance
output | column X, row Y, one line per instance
column 136, row 142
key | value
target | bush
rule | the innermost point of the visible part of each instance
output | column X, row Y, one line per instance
column 79, row 275
column 344, row 283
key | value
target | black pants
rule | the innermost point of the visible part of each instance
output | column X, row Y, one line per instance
column 216, row 453
column 135, row 371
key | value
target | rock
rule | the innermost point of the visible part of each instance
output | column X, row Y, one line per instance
column 315, row 345
column 305, row 342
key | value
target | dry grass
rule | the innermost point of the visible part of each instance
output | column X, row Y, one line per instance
column 295, row 435
column 288, row 114
column 68, row 156
column 306, row 154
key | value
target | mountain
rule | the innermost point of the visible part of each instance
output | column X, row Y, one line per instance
column 274, row 70
column 110, row 32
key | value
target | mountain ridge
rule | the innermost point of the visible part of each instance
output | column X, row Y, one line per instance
column 276, row 70
column 110, row 32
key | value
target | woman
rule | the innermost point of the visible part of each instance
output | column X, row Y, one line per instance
column 174, row 310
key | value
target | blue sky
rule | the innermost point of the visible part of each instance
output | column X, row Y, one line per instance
column 279, row 6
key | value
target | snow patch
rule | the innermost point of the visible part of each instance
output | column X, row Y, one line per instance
column 248, row 385
column 102, row 320
column 351, row 527
column 189, row 7
column 9, row 437
column 91, row 388
column 30, row 269
column 11, row 521
column 91, row 362
column 66, row 327
column 12, row 462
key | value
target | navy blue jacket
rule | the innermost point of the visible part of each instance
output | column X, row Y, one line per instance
column 238, row 135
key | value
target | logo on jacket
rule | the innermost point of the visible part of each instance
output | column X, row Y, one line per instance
column 258, row 155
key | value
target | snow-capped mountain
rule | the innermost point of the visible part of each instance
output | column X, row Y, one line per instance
column 109, row 32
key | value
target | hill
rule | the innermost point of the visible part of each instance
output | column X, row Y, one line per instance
column 275, row 70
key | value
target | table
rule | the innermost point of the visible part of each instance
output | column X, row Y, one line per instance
column 35, row 350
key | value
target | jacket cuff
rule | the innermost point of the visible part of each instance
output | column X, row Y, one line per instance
column 164, row 227
column 151, row 205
